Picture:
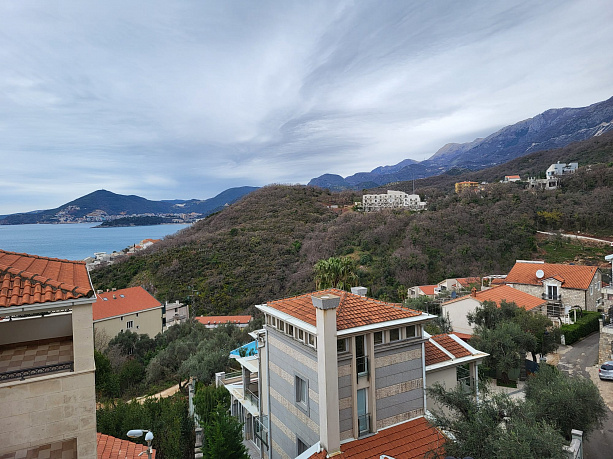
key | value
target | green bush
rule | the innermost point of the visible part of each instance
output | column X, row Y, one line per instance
column 586, row 324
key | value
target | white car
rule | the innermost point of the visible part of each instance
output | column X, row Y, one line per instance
column 606, row 370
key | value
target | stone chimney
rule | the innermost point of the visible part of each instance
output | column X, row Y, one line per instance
column 473, row 292
column 327, row 372
column 359, row 291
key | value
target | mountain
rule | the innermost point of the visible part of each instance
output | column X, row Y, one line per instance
column 553, row 128
column 103, row 201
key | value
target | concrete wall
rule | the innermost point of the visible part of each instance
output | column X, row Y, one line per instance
column 457, row 314
column 345, row 397
column 447, row 377
column 398, row 383
column 289, row 358
column 19, row 330
column 148, row 322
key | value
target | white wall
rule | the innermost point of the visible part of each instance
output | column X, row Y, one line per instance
column 457, row 311
column 20, row 330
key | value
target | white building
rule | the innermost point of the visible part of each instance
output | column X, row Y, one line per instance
column 392, row 200
column 561, row 169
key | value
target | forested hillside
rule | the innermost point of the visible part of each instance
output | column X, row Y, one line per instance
column 264, row 247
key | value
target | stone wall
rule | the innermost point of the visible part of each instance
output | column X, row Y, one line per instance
column 605, row 346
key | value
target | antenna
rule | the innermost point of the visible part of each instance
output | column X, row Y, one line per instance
column 540, row 273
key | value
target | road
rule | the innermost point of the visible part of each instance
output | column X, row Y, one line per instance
column 581, row 359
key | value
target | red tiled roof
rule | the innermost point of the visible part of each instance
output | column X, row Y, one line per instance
column 463, row 336
column 466, row 281
column 508, row 294
column 409, row 440
column 116, row 448
column 571, row 276
column 427, row 289
column 30, row 279
column 124, row 301
column 435, row 355
column 353, row 310
column 210, row 320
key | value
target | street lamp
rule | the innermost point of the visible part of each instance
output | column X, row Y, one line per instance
column 135, row 433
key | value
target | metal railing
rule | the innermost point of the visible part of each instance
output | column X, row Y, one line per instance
column 36, row 371
column 549, row 297
column 361, row 365
column 364, row 423
column 261, row 429
column 252, row 397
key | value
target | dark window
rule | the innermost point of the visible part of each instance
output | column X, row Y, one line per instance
column 411, row 331
column 301, row 446
column 378, row 337
column 395, row 334
column 341, row 345
column 301, row 391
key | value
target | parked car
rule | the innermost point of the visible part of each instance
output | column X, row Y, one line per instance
column 606, row 370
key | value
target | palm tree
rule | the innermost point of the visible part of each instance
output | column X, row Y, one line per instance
column 335, row 272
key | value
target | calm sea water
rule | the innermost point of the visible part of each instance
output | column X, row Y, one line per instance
column 77, row 241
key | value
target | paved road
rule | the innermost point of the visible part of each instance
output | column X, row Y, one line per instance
column 581, row 359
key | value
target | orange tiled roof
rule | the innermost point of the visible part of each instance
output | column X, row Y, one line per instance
column 435, row 355
column 124, row 301
column 210, row 320
column 466, row 281
column 409, row 440
column 463, row 336
column 353, row 310
column 572, row 276
column 30, row 279
column 427, row 289
column 508, row 294
column 116, row 448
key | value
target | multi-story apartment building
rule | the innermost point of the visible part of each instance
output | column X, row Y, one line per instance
column 335, row 369
column 392, row 200
column 558, row 169
column 47, row 395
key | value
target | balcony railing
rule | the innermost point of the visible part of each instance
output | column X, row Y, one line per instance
column 261, row 429
column 252, row 397
column 549, row 297
column 361, row 364
column 36, row 371
column 364, row 424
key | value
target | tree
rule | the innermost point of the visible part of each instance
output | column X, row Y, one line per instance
column 497, row 426
column 566, row 402
column 207, row 399
column 335, row 272
column 223, row 437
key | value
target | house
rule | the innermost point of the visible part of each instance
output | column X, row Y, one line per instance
column 563, row 286
column 47, row 394
column 129, row 309
column 458, row 308
column 174, row 313
column 461, row 186
column 451, row 361
column 511, row 178
column 116, row 448
column 550, row 183
column 216, row 321
column 423, row 290
column 335, row 372
column 459, row 283
column 561, row 169
column 392, row 200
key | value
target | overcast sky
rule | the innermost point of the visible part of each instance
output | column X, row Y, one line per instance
column 179, row 100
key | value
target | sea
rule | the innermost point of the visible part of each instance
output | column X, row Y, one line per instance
column 77, row 241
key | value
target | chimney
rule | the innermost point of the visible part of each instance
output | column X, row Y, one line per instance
column 359, row 291
column 327, row 372
column 473, row 292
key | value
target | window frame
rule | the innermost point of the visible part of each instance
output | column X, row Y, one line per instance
column 397, row 330
column 301, row 390
column 129, row 324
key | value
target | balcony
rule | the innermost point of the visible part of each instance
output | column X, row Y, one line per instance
column 552, row 298
column 248, row 396
column 261, row 429
column 36, row 358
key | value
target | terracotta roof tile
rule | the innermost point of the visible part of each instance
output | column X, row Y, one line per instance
column 353, row 310
column 409, row 440
column 507, row 293
column 124, row 301
column 466, row 281
column 451, row 345
column 571, row 276
column 427, row 289
column 209, row 320
column 30, row 279
column 116, row 448
column 433, row 354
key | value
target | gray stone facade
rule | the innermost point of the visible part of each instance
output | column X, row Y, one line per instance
column 605, row 344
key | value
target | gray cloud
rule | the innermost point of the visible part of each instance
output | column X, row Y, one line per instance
column 184, row 99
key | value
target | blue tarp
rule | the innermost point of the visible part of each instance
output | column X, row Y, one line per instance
column 246, row 349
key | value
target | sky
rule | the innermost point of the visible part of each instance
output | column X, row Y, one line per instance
column 182, row 100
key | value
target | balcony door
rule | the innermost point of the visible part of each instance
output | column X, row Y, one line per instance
column 363, row 417
column 552, row 292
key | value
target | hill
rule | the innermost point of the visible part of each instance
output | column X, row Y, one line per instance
column 551, row 129
column 264, row 246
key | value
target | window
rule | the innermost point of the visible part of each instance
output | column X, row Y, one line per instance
column 290, row 330
column 378, row 337
column 280, row 325
column 411, row 331
column 311, row 340
column 301, row 446
column 341, row 345
column 137, row 314
column 302, row 390
column 394, row 334
column 129, row 324
column 122, row 318
column 361, row 361
column 363, row 416
column 300, row 335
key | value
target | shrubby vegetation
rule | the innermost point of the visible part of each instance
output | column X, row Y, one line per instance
column 587, row 322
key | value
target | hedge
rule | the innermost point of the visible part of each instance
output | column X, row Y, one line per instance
column 586, row 324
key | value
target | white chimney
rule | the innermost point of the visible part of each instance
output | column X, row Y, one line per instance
column 327, row 372
column 359, row 291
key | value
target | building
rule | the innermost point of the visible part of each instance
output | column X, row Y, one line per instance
column 116, row 448
column 423, row 290
column 458, row 308
column 461, row 186
column 129, row 309
column 174, row 313
column 392, row 200
column 335, row 371
column 216, row 321
column 546, row 184
column 561, row 169
column 563, row 286
column 511, row 178
column 47, row 395
column 458, row 284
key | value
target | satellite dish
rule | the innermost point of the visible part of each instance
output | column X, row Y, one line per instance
column 540, row 273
